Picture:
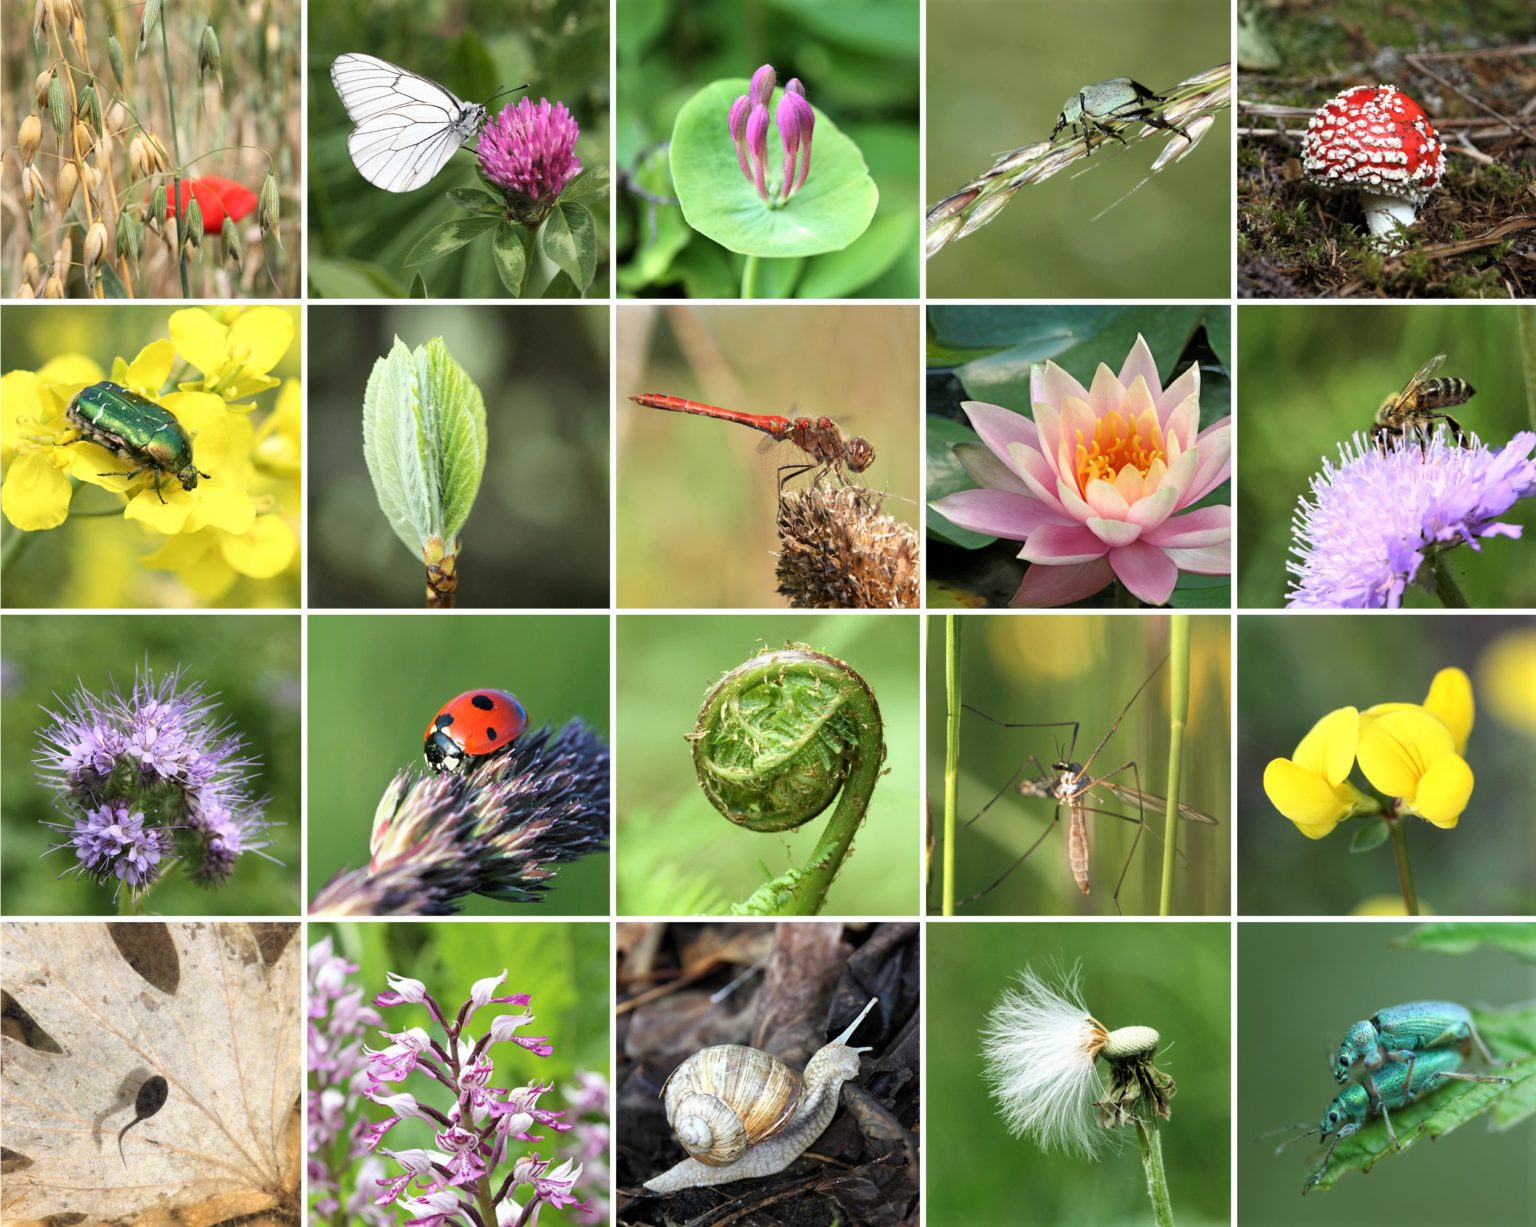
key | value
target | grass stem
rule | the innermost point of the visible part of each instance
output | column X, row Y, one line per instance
column 1178, row 717
column 951, row 753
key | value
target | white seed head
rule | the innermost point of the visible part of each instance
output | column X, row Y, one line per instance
column 1040, row 1043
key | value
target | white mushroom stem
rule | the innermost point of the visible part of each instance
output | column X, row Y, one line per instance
column 1384, row 213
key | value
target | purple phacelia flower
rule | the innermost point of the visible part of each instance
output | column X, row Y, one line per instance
column 529, row 152
column 748, row 122
column 1374, row 518
column 147, row 775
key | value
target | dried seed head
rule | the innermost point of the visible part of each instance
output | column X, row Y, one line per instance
column 85, row 138
column 32, row 186
column 160, row 158
column 77, row 36
column 91, row 178
column 62, row 12
column 117, row 119
column 137, row 165
column 29, row 137
column 40, row 90
column 64, row 254
column 25, row 291
column 53, row 287
column 95, row 247
column 839, row 552
column 40, row 23
column 31, row 270
column 66, row 183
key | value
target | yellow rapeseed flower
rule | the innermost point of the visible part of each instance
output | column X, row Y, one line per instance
column 235, row 357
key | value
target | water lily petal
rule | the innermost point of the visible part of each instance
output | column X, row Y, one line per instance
column 1186, row 386
column 997, row 513
column 1140, row 364
column 1039, row 479
column 1114, row 533
column 1105, row 396
column 989, row 470
column 1062, row 544
column 1203, row 559
column 1190, row 529
column 999, row 427
column 1048, row 423
column 1183, row 423
column 1045, row 586
column 1147, row 572
column 1214, row 448
column 1055, row 386
column 1153, row 511
column 1106, row 499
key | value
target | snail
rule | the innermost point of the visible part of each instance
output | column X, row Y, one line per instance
column 741, row 1113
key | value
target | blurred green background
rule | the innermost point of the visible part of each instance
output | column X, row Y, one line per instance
column 90, row 562
column 678, row 855
column 375, row 683
column 692, row 489
column 1174, row 977
column 538, row 535
column 999, row 72
column 1313, row 375
column 251, row 664
column 1082, row 667
column 563, row 966
column 1293, row 671
column 987, row 352
column 858, row 60
column 1300, row 986
column 359, row 235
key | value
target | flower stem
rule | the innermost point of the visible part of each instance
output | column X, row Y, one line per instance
column 1151, row 1144
column 15, row 545
column 1527, row 318
column 1178, row 716
column 749, row 278
column 1446, row 587
column 1404, row 870
column 176, row 209
column 951, row 753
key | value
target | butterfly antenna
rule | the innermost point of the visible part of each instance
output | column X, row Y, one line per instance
column 499, row 92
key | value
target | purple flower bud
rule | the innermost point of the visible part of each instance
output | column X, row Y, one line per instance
column 737, row 121
column 796, row 119
column 763, row 82
column 757, row 144
column 794, row 87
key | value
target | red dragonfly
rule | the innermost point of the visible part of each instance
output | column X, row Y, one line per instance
column 818, row 438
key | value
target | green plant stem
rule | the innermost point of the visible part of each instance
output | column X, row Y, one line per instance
column 951, row 753
column 1527, row 318
column 15, row 546
column 1151, row 1144
column 176, row 210
column 1178, row 716
column 749, row 278
column 1404, row 870
column 1446, row 587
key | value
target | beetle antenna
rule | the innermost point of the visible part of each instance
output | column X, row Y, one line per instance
column 1307, row 1131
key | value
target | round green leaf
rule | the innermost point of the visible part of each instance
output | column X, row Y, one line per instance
column 832, row 209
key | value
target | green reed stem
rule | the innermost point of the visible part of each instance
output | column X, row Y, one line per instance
column 1178, row 717
column 1526, row 316
column 951, row 753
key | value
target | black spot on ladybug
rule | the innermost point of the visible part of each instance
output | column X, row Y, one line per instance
column 490, row 734
column 485, row 703
column 443, row 721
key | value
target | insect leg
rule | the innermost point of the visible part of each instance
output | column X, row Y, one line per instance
column 1012, row 780
column 1141, row 825
column 1088, row 762
column 1055, row 818
column 1455, row 427
column 1153, row 120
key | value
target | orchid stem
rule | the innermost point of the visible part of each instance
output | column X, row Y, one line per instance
column 951, row 753
column 1178, row 717
column 1404, row 870
column 1446, row 587
column 1151, row 1144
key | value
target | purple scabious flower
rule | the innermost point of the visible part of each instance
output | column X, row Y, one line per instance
column 1376, row 516
column 147, row 774
column 529, row 152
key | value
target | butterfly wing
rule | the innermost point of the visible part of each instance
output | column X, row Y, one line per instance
column 407, row 126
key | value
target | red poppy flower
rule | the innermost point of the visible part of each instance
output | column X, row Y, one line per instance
column 217, row 198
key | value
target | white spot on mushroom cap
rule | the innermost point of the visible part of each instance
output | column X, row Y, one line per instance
column 1377, row 137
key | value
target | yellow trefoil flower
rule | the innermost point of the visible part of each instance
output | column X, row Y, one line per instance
column 1312, row 787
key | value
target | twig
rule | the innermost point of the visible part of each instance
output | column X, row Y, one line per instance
column 1478, row 103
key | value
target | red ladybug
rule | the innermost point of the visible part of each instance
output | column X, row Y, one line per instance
column 476, row 723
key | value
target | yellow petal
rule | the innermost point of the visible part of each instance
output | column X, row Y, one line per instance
column 224, row 506
column 1444, row 792
column 1450, row 698
column 1328, row 749
column 1506, row 674
column 263, row 552
column 260, row 337
column 197, row 561
column 199, row 339
column 1305, row 798
column 149, row 371
column 1388, row 905
column 146, row 508
column 36, row 494
column 1397, row 748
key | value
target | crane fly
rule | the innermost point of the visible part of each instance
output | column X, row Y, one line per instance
column 1069, row 784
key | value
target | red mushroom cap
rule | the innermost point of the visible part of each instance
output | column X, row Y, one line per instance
column 1376, row 138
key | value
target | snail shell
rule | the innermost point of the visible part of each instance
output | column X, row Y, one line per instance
column 724, row 1099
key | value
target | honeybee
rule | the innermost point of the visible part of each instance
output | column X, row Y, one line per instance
column 1413, row 412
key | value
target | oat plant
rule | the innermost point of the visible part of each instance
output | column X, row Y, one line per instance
column 1192, row 105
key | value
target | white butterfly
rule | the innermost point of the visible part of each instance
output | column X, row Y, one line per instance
column 407, row 126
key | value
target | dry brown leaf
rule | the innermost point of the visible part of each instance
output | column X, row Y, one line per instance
column 91, row 1011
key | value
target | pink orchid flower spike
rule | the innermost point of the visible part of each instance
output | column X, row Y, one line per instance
column 1100, row 485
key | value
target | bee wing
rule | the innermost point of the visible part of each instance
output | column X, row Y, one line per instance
column 1425, row 371
column 1151, row 801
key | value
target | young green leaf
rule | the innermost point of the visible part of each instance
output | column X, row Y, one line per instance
column 450, row 236
column 1516, row 939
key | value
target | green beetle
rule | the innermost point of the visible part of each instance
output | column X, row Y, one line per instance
column 135, row 429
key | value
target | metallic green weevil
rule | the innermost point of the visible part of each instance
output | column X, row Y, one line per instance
column 1405, row 1033
column 136, row 430
column 1353, row 1108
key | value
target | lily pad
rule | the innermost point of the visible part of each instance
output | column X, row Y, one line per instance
column 832, row 209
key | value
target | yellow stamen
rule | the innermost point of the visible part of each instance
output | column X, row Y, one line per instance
column 1119, row 443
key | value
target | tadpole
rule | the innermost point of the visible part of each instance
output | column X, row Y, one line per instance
column 150, row 1100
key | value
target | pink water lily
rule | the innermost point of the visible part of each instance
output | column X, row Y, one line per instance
column 1097, row 486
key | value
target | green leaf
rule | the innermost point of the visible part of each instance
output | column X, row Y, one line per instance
column 424, row 441
column 832, row 209
column 111, row 284
column 946, row 475
column 1371, row 833
column 419, row 286
column 476, row 201
column 660, row 231
column 510, row 255
column 1444, row 938
column 351, row 279
column 591, row 185
column 583, row 228
column 838, row 274
column 558, row 243
column 1216, row 594
column 1218, row 331
column 450, row 236
column 1437, row 1114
